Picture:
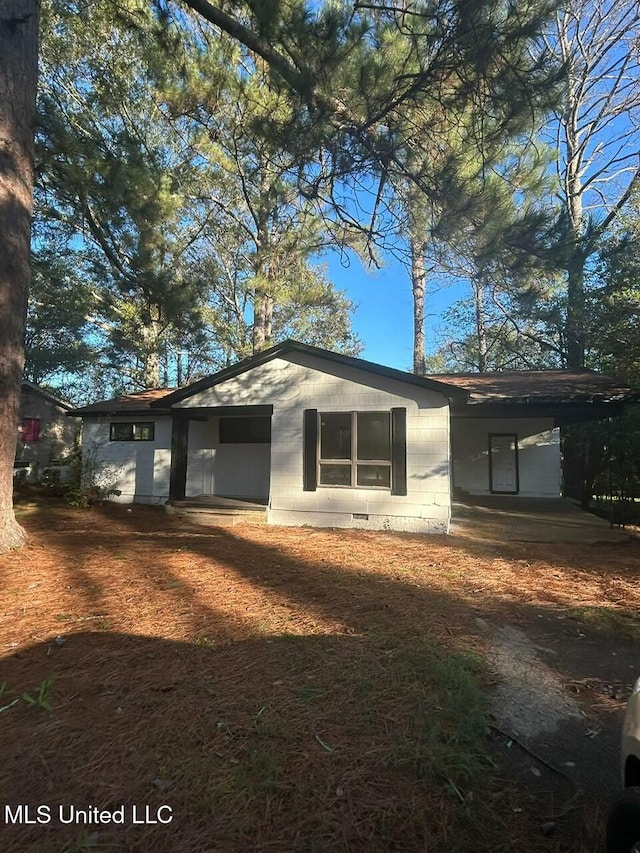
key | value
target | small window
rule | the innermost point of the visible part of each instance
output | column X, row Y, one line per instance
column 30, row 430
column 245, row 430
column 132, row 431
column 355, row 449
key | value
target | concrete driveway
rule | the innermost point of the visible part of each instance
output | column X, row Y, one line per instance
column 505, row 518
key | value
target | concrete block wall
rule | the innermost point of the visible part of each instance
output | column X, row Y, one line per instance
column 139, row 470
column 295, row 385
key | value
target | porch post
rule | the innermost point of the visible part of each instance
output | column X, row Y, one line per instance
column 179, row 443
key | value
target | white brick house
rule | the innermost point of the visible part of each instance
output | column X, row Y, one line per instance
column 323, row 439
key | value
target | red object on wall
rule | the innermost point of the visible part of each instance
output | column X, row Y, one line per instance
column 30, row 430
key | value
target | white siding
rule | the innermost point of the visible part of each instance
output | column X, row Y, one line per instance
column 539, row 459
column 300, row 382
column 138, row 470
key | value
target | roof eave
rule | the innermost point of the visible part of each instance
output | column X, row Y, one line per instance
column 146, row 412
column 47, row 395
column 451, row 392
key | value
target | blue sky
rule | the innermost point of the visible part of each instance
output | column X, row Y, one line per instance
column 384, row 317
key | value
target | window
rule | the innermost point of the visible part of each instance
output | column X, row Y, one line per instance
column 132, row 431
column 30, row 430
column 355, row 449
column 245, row 430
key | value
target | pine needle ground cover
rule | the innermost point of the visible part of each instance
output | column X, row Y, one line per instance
column 277, row 689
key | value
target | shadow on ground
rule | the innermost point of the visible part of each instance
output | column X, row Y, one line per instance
column 289, row 700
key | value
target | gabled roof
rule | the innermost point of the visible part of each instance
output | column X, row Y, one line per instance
column 551, row 387
column 289, row 346
column 31, row 386
column 524, row 386
column 128, row 404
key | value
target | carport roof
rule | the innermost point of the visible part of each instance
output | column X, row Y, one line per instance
column 540, row 386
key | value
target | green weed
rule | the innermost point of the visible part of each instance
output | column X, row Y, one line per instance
column 41, row 699
column 608, row 620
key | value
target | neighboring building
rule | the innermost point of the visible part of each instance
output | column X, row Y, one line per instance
column 329, row 440
column 47, row 436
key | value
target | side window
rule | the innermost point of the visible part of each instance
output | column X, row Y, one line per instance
column 30, row 430
column 132, row 431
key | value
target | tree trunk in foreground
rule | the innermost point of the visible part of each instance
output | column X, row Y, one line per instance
column 19, row 21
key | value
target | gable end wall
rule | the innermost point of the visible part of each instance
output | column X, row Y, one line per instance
column 293, row 386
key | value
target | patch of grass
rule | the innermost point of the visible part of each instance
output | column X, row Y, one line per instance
column 309, row 692
column 334, row 713
column 608, row 620
column 41, row 698
column 445, row 729
column 5, row 697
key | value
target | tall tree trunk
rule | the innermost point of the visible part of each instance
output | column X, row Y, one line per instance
column 574, row 330
column 418, row 279
column 481, row 325
column 19, row 22
column 262, row 320
column 151, row 331
column 151, row 369
column 418, row 284
column 574, row 192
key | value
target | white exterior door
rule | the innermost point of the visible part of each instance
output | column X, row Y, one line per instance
column 503, row 463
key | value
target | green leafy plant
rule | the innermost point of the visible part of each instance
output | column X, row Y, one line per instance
column 41, row 699
column 88, row 482
column 3, row 690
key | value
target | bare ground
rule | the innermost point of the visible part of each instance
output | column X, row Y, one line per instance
column 278, row 654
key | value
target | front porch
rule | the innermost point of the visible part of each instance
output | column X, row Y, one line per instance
column 221, row 458
column 216, row 511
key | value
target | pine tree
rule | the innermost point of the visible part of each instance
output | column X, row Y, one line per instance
column 18, row 73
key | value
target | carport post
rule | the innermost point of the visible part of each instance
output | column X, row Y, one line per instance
column 179, row 445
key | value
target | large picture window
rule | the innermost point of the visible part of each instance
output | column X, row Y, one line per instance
column 132, row 431
column 355, row 449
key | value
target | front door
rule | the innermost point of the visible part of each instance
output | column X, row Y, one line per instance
column 503, row 463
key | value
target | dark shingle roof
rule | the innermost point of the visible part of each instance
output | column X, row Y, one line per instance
column 509, row 386
column 127, row 404
column 432, row 383
column 539, row 385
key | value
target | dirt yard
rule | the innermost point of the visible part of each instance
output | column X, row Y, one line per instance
column 286, row 689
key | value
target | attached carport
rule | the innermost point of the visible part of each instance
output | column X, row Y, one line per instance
column 506, row 434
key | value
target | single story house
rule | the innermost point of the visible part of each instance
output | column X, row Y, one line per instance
column 323, row 439
column 46, row 436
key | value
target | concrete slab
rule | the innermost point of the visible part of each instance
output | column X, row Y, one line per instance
column 505, row 518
